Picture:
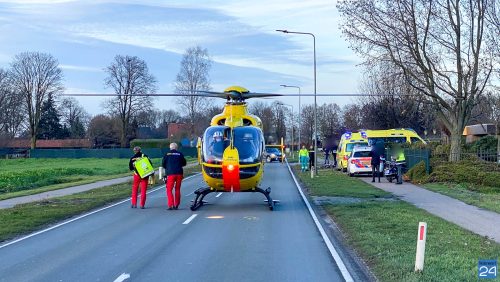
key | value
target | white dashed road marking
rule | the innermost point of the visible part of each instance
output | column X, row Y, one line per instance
column 122, row 277
column 218, row 195
column 190, row 219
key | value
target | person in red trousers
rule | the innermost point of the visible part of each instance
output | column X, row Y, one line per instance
column 173, row 161
column 138, row 181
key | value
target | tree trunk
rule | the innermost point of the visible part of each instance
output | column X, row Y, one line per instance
column 33, row 141
column 455, row 149
column 123, row 137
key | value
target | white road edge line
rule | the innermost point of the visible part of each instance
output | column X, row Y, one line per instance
column 345, row 273
column 218, row 195
column 122, row 277
column 80, row 217
column 190, row 219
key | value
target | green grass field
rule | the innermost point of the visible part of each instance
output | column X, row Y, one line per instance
column 384, row 233
column 485, row 197
column 20, row 177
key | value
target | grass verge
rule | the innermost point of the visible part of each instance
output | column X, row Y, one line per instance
column 384, row 234
column 463, row 192
column 341, row 186
column 26, row 218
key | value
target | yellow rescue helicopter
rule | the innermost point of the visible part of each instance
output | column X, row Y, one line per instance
column 231, row 151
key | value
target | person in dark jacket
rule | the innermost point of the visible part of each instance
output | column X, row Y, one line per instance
column 173, row 162
column 375, row 162
column 311, row 157
column 138, row 181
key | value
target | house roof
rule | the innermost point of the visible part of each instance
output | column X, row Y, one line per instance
column 57, row 143
column 479, row 129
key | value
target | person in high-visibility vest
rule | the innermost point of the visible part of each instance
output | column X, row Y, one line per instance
column 400, row 163
column 173, row 162
column 303, row 158
column 138, row 181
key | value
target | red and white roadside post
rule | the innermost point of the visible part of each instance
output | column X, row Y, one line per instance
column 421, row 238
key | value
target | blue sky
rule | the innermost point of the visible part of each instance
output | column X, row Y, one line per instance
column 240, row 37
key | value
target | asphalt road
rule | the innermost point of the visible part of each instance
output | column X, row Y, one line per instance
column 234, row 238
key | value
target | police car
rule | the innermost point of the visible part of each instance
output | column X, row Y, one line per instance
column 359, row 161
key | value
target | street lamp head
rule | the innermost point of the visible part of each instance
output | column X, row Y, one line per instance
column 282, row 30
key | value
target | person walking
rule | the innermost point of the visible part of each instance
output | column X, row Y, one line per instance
column 138, row 181
column 172, row 162
column 303, row 156
column 375, row 162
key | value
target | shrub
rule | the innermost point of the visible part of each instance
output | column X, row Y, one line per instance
column 418, row 174
column 466, row 171
column 487, row 143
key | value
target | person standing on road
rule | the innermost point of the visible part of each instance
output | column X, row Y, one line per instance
column 173, row 162
column 327, row 154
column 375, row 163
column 303, row 156
column 311, row 157
column 138, row 181
column 334, row 155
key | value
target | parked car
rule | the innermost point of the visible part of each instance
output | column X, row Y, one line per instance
column 359, row 161
column 273, row 154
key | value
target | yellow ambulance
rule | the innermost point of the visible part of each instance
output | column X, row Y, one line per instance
column 349, row 140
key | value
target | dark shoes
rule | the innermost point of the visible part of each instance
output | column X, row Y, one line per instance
column 142, row 207
column 133, row 206
column 374, row 180
column 170, row 208
column 176, row 207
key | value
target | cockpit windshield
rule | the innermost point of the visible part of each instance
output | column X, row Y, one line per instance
column 215, row 141
column 248, row 141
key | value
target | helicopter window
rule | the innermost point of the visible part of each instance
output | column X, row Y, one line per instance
column 215, row 141
column 221, row 121
column 247, row 122
column 248, row 141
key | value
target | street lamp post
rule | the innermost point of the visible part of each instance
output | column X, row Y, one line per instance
column 315, row 115
column 283, row 104
column 292, row 86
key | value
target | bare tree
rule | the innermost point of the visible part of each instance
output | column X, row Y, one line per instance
column 350, row 119
column 445, row 48
column 169, row 116
column 192, row 77
column 74, row 117
column 278, row 121
column 104, row 131
column 11, row 115
column 129, row 77
column 35, row 76
column 266, row 115
column 307, row 126
column 329, row 119
column 393, row 110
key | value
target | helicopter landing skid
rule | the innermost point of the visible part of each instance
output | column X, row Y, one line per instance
column 202, row 192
